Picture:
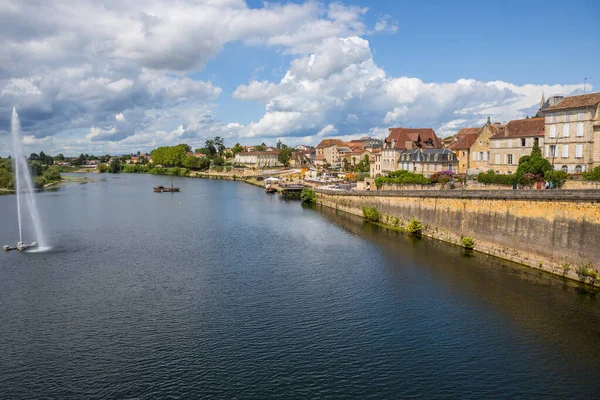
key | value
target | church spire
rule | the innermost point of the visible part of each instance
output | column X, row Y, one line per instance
column 543, row 101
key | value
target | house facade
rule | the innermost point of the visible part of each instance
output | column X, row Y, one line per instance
column 461, row 146
column 572, row 133
column 513, row 142
column 400, row 139
column 427, row 161
column 480, row 150
column 330, row 151
column 258, row 159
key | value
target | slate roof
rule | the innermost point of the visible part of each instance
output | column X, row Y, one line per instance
column 584, row 100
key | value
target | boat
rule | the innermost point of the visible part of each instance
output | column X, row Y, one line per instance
column 160, row 189
column 20, row 246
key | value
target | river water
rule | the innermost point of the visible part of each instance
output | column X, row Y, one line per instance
column 223, row 291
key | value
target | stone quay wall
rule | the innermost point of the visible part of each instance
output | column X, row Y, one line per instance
column 557, row 231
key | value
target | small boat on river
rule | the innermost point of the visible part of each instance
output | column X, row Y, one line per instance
column 160, row 189
column 20, row 246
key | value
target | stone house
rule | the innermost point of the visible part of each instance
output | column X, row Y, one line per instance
column 330, row 151
column 258, row 159
column 400, row 139
column 427, row 161
column 480, row 150
column 572, row 132
column 514, row 141
column 463, row 141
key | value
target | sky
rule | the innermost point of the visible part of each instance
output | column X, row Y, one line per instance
column 114, row 76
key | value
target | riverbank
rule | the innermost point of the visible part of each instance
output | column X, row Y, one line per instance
column 66, row 180
column 555, row 232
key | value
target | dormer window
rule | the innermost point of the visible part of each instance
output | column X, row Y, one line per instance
column 435, row 157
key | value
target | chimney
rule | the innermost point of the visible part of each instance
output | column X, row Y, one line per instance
column 554, row 100
column 489, row 121
column 497, row 123
column 408, row 144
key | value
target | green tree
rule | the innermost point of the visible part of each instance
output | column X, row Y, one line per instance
column 52, row 175
column 59, row 157
column 593, row 175
column 34, row 156
column 237, row 148
column 218, row 161
column 36, row 168
column 557, row 178
column 533, row 166
column 219, row 145
column 102, row 168
column 115, row 166
column 261, row 147
column 211, row 150
column 285, row 156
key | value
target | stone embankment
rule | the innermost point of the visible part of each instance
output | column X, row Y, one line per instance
column 557, row 231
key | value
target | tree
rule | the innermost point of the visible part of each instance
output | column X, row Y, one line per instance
column 593, row 175
column 228, row 154
column 186, row 147
column 115, row 166
column 278, row 145
column 237, row 148
column 36, row 168
column 345, row 164
column 557, row 178
column 285, row 156
column 533, row 167
column 219, row 145
column 218, row 161
column 34, row 156
column 261, row 147
column 59, row 157
column 211, row 150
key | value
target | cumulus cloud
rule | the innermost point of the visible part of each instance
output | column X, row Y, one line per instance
column 339, row 85
column 128, row 80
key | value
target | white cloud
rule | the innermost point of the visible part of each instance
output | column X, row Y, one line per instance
column 120, row 117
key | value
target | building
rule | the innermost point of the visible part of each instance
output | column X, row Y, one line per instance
column 572, row 132
column 400, row 139
column 463, row 141
column 330, row 151
column 427, row 161
column 303, row 147
column 480, row 150
column 258, row 159
column 513, row 142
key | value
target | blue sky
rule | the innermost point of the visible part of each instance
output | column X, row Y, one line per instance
column 99, row 77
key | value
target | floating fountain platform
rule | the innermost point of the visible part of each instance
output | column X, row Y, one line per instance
column 20, row 246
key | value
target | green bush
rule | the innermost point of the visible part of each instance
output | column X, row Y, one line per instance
column 593, row 175
column 102, row 168
column 395, row 221
column 586, row 271
column 402, row 178
column 491, row 177
column 52, row 175
column 371, row 213
column 557, row 178
column 415, row 227
column 468, row 243
column 308, row 195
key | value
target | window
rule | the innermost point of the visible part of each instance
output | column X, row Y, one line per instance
column 565, row 151
column 553, row 131
column 481, row 156
column 552, row 151
column 497, row 159
column 475, row 156
column 435, row 157
column 580, row 129
column 510, row 159
column 523, row 142
column 566, row 117
column 536, row 141
column 435, row 167
column 580, row 116
column 450, row 157
column 565, row 130
column 564, row 168
column 579, row 151
column 578, row 169
column 484, row 155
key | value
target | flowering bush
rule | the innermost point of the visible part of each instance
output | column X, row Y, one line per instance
column 442, row 177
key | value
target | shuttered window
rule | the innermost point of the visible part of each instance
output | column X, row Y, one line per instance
column 547, row 151
column 475, row 156
column 565, row 151
column 565, row 130
column 484, row 156
column 580, row 116
column 579, row 151
column 553, row 131
column 580, row 129
column 497, row 159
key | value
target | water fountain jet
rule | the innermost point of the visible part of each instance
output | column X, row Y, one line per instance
column 25, row 191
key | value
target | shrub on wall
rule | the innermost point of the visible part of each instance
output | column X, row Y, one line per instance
column 308, row 195
column 402, row 178
column 468, row 243
column 557, row 178
column 491, row 177
column 415, row 227
column 371, row 214
column 593, row 175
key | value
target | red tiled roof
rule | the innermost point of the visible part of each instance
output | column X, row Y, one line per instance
column 465, row 140
column 419, row 137
column 584, row 100
column 331, row 142
column 522, row 128
column 259, row 153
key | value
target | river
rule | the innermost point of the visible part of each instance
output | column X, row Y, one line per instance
column 222, row 291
